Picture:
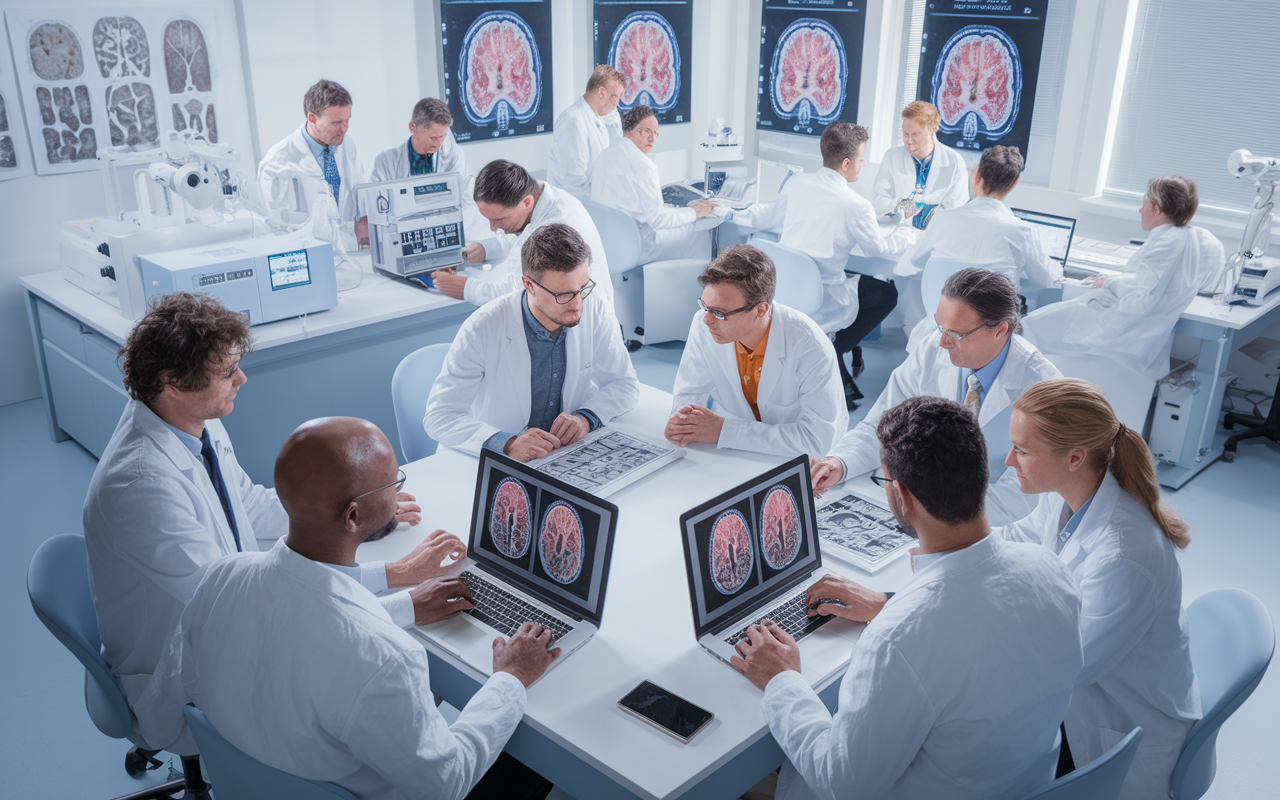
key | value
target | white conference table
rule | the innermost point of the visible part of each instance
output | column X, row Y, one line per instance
column 573, row 733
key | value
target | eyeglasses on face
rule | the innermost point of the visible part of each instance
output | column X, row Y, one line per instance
column 878, row 479
column 565, row 297
column 718, row 314
column 959, row 336
column 398, row 483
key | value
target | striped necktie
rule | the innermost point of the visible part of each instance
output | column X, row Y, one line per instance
column 971, row 400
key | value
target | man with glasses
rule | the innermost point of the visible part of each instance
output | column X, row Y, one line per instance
column 539, row 369
column 168, row 497
column 977, row 359
column 626, row 178
column 768, row 368
column 517, row 204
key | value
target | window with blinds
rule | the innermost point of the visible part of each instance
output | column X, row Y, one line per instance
column 1202, row 80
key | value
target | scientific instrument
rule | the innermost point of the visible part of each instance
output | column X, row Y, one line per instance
column 415, row 224
column 1253, row 273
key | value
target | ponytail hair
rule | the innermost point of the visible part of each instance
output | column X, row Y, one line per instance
column 1067, row 413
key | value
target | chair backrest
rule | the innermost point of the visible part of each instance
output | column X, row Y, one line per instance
column 58, row 585
column 934, row 277
column 1128, row 391
column 232, row 773
column 619, row 234
column 799, row 280
column 1232, row 642
column 1100, row 779
column 410, row 386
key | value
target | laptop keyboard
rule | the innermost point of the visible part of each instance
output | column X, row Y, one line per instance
column 791, row 616
column 505, row 612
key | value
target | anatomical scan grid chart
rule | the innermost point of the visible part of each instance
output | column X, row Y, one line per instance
column 861, row 533
column 979, row 67
column 649, row 43
column 810, row 64
column 606, row 460
column 497, row 67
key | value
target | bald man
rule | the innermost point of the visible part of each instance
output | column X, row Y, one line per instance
column 326, row 686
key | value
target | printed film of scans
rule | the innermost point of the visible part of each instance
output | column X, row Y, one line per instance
column 862, row 531
column 601, row 462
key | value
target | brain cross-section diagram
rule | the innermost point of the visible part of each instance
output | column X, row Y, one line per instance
column 644, row 49
column 501, row 71
column 809, row 73
column 978, row 82
column 779, row 527
column 732, row 554
column 510, row 518
column 560, row 544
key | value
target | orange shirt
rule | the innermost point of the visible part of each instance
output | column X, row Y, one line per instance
column 749, row 365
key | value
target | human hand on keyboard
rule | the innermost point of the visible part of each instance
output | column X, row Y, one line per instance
column 525, row 654
column 852, row 600
column 439, row 599
column 767, row 651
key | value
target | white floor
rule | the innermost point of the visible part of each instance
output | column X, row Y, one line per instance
column 50, row 749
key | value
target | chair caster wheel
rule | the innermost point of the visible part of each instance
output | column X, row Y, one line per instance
column 138, row 761
column 633, row 345
column 1228, row 456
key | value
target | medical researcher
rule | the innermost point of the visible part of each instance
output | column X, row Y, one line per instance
column 584, row 130
column 959, row 682
column 1100, row 512
column 974, row 357
column 430, row 148
column 923, row 174
column 168, row 498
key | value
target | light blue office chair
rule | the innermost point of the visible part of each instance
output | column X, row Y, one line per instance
column 242, row 777
column 1232, row 641
column 1128, row 391
column 934, row 277
column 1100, row 779
column 58, row 585
column 410, row 386
column 799, row 283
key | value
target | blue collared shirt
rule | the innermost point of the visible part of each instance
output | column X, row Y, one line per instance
column 192, row 443
column 316, row 148
column 1069, row 527
column 420, row 165
column 986, row 375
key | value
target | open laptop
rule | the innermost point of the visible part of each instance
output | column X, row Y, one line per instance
column 539, row 551
column 750, row 554
column 1054, row 232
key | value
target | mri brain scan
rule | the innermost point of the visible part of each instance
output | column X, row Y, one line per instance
column 55, row 52
column 644, row 49
column 779, row 527
column 131, row 115
column 186, row 58
column 560, row 543
column 500, row 70
column 511, row 518
column 978, row 81
column 732, row 555
column 808, row 73
column 120, row 48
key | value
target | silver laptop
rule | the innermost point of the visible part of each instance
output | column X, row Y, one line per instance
column 1054, row 232
column 539, row 550
column 750, row 554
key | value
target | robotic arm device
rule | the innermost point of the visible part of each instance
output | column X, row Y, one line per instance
column 1250, row 272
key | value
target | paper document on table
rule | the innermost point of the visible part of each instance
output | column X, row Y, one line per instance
column 859, row 532
column 607, row 459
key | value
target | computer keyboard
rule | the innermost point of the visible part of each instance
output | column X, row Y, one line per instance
column 677, row 195
column 791, row 616
column 505, row 612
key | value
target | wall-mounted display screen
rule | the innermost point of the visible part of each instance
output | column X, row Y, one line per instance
column 651, row 44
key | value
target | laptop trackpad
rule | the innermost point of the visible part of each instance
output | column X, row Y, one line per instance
column 462, row 636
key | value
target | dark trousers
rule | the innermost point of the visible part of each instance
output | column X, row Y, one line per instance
column 876, row 299
column 508, row 779
column 1066, row 764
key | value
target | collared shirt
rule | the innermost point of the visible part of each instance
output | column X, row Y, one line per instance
column 750, row 363
column 192, row 443
column 420, row 165
column 1068, row 522
column 315, row 147
column 986, row 375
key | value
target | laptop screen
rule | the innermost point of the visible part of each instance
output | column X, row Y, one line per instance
column 548, row 538
column 1054, row 232
column 750, row 544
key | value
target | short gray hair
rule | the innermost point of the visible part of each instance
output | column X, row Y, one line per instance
column 988, row 293
column 325, row 94
column 430, row 110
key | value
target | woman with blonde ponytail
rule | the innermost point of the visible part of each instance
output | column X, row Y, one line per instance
column 1100, row 510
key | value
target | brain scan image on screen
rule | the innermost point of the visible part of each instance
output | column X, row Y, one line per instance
column 779, row 527
column 978, row 82
column 560, row 544
column 808, row 73
column 500, row 71
column 644, row 49
column 732, row 555
column 510, row 518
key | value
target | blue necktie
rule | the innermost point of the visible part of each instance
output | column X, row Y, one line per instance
column 215, row 475
column 330, row 166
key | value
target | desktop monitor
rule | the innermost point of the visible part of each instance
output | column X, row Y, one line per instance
column 1053, row 232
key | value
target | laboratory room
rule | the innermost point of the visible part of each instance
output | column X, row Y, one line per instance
column 639, row 399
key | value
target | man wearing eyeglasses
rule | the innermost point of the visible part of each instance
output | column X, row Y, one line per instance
column 168, row 497
column 539, row 369
column 976, row 358
column 768, row 368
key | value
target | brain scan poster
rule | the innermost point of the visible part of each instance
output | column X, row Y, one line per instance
column 810, row 64
column 497, row 67
column 15, row 152
column 978, row 64
column 650, row 44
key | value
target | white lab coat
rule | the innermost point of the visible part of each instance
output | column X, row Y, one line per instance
column 291, row 157
column 820, row 215
column 800, row 397
column 1137, row 658
column 327, row 687
column 956, row 689
column 1131, row 318
column 579, row 136
column 502, row 249
column 947, row 186
column 928, row 371
column 624, row 178
column 484, row 386
column 985, row 233
column 394, row 163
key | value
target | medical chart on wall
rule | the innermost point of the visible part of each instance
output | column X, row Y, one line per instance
column 93, row 79
column 650, row 43
column 979, row 62
column 15, row 152
column 810, row 64
column 497, row 67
